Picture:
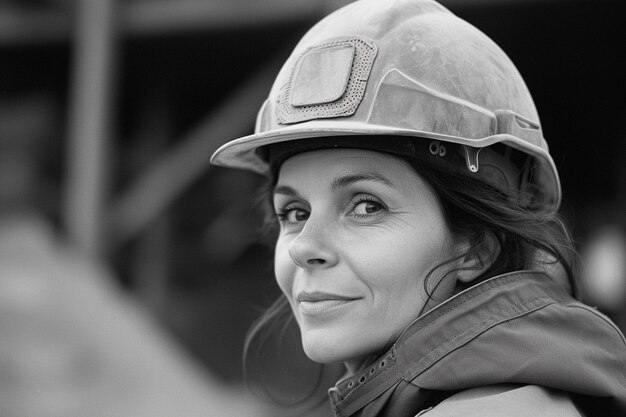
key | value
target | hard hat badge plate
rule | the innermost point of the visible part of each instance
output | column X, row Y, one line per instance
column 321, row 76
column 328, row 80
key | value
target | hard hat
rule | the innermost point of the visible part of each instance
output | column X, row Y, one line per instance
column 398, row 69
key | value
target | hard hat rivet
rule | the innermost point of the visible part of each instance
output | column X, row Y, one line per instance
column 442, row 151
column 433, row 147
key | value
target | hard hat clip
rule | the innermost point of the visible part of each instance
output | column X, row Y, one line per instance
column 471, row 158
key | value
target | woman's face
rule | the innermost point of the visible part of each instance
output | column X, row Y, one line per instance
column 359, row 232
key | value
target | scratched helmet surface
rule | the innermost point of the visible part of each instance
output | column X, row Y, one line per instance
column 410, row 69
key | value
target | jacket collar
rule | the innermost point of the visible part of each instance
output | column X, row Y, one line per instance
column 471, row 329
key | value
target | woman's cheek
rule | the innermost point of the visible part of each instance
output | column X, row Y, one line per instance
column 284, row 268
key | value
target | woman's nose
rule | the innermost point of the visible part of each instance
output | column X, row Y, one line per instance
column 312, row 247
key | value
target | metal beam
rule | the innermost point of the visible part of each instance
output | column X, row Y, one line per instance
column 150, row 195
column 89, row 124
column 19, row 26
column 153, row 17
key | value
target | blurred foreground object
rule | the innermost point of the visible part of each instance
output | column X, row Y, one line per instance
column 605, row 271
column 73, row 345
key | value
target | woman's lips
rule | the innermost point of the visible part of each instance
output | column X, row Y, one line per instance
column 312, row 303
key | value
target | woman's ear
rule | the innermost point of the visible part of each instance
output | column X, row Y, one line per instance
column 477, row 258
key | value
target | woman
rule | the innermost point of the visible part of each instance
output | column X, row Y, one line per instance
column 418, row 239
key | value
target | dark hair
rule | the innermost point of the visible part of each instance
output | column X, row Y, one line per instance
column 527, row 238
column 477, row 211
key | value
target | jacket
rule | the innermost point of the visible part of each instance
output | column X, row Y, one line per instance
column 515, row 342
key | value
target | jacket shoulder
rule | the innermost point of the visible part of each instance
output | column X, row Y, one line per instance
column 506, row 400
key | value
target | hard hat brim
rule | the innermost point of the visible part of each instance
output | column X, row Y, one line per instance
column 242, row 153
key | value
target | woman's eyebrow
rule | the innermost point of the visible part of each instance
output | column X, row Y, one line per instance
column 339, row 183
column 346, row 180
column 285, row 190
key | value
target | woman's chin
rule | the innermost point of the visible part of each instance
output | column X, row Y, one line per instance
column 327, row 350
column 323, row 353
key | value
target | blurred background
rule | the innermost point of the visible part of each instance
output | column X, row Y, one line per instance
column 130, row 269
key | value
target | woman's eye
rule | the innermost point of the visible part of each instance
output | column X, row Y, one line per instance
column 293, row 215
column 367, row 208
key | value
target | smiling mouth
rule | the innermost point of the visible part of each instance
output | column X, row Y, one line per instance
column 317, row 302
